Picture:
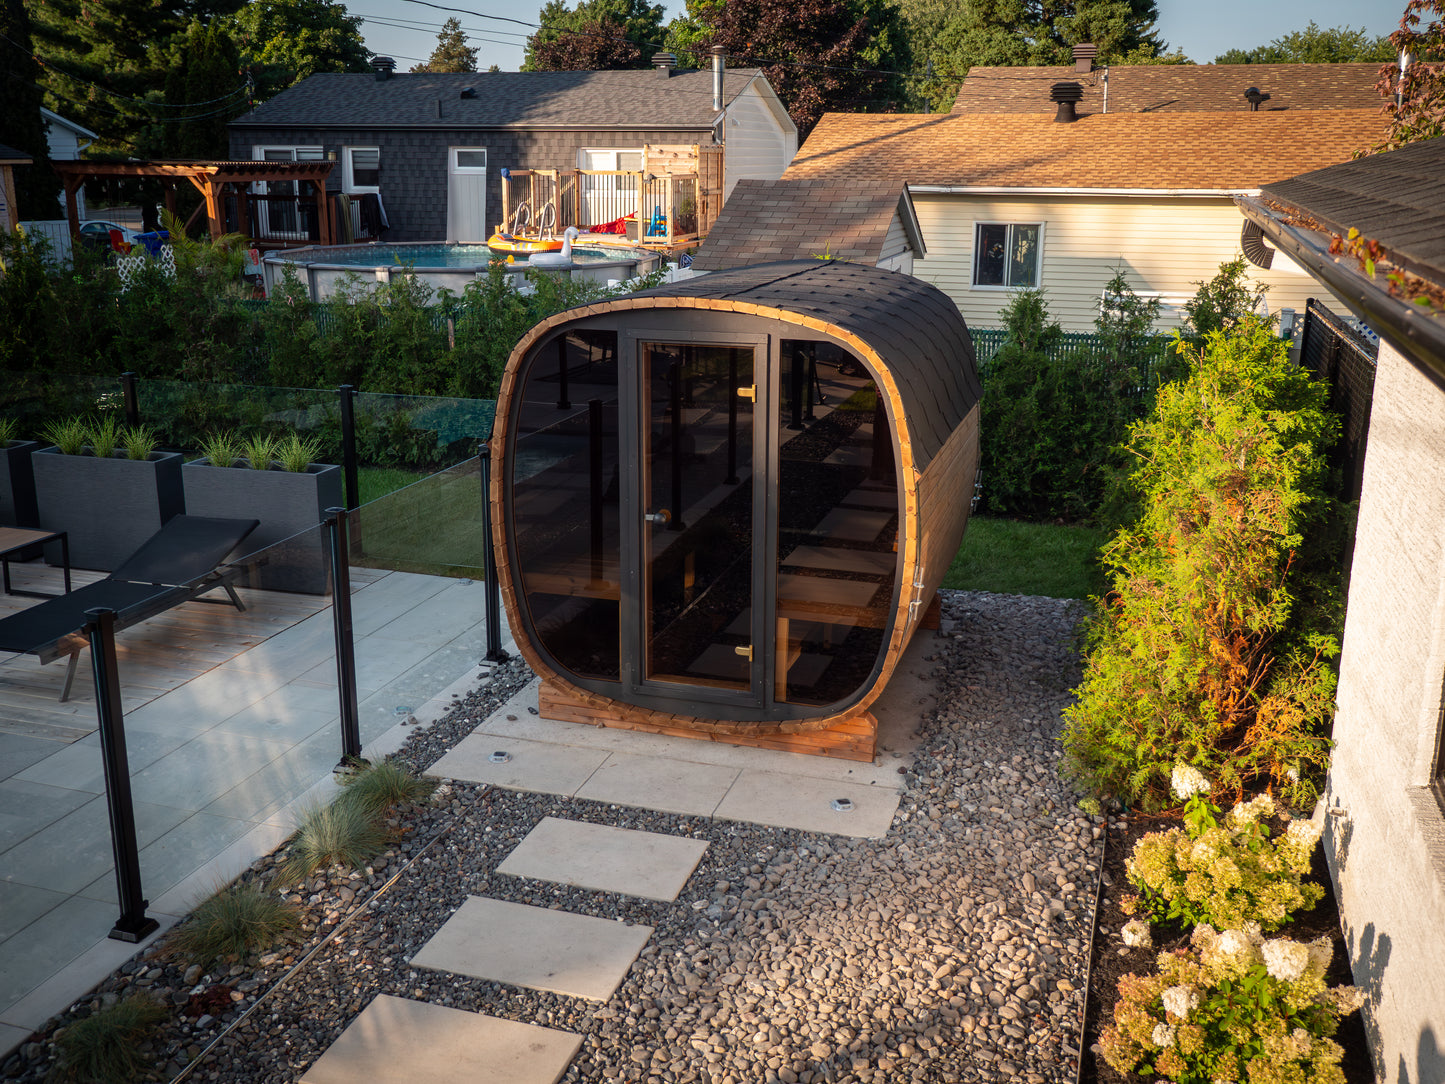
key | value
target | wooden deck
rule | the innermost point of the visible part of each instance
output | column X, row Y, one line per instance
column 153, row 657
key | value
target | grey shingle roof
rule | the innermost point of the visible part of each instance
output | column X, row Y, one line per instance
column 10, row 154
column 606, row 99
column 1397, row 199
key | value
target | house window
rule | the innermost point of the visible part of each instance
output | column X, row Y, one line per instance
column 363, row 169
column 620, row 160
column 1006, row 255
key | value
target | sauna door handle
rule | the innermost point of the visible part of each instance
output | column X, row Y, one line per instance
column 662, row 516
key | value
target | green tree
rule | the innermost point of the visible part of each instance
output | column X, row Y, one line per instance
column 1315, row 45
column 284, row 41
column 1225, row 300
column 1415, row 102
column 204, row 92
column 597, row 35
column 952, row 38
column 1214, row 646
column 819, row 55
column 20, row 123
column 452, row 53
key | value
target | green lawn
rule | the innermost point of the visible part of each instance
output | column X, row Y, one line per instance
column 377, row 482
column 1010, row 557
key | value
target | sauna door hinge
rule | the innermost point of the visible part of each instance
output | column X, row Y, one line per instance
column 745, row 652
column 750, row 392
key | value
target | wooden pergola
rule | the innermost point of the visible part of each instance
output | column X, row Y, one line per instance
column 212, row 179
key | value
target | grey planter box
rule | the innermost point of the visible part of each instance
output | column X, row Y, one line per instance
column 287, row 504
column 108, row 506
column 17, row 485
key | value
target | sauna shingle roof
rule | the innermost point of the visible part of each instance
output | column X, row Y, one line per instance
column 1154, row 151
column 1137, row 88
column 914, row 327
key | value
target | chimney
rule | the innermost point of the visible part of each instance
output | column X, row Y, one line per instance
column 1255, row 96
column 383, row 66
column 1084, row 54
column 664, row 62
column 1066, row 94
column 719, row 62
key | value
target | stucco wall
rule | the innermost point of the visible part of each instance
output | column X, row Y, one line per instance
column 1385, row 836
column 1163, row 244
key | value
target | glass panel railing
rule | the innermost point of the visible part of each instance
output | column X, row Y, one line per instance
column 435, row 526
column 185, row 414
column 37, row 401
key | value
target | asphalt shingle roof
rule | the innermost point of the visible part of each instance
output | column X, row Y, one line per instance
column 1179, row 88
column 800, row 218
column 1397, row 199
column 1156, row 151
column 606, row 99
column 10, row 154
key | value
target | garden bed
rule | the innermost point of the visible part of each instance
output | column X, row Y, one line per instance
column 1111, row 959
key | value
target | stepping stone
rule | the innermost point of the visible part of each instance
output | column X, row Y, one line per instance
column 790, row 801
column 535, row 947
column 622, row 860
column 397, row 1041
column 663, row 783
column 533, row 765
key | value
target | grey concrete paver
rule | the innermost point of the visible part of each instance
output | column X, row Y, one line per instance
column 598, row 856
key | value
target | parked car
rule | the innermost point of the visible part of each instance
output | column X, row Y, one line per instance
column 97, row 232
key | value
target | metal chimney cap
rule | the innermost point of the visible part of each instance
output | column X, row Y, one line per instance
column 1084, row 54
column 719, row 50
column 664, row 61
column 383, row 66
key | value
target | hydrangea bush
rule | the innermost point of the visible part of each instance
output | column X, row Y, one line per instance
column 1233, row 1008
column 1227, row 873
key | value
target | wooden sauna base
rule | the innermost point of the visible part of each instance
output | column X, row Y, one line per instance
column 852, row 739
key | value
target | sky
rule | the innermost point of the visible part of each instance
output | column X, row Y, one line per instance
column 406, row 30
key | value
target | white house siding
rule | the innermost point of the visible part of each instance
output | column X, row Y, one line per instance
column 757, row 145
column 1165, row 245
column 1386, row 836
column 897, row 253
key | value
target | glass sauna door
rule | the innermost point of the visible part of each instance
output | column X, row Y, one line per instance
column 697, row 483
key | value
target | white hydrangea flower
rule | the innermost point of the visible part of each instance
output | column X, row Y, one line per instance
column 1163, row 1036
column 1344, row 999
column 1234, row 943
column 1252, row 810
column 1187, row 781
column 1305, row 833
column 1202, row 852
column 1136, row 934
column 1321, row 952
column 1180, row 1001
column 1284, row 959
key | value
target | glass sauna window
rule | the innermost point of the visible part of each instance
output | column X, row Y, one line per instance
column 565, row 495
column 697, row 526
column 837, row 525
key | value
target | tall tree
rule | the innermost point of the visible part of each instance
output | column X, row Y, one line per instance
column 1314, row 45
column 20, row 123
column 951, row 38
column 203, row 93
column 819, row 55
column 284, row 41
column 1415, row 98
column 452, row 53
column 597, row 35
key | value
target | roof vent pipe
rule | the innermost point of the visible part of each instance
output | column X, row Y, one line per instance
column 383, row 66
column 719, row 62
column 664, row 62
column 1067, row 95
column 1255, row 96
column 1084, row 54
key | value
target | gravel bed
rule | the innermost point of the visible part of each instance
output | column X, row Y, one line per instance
column 955, row 949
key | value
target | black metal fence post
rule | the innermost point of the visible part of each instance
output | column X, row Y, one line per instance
column 336, row 541
column 130, row 398
column 489, row 562
column 348, row 446
column 133, row 925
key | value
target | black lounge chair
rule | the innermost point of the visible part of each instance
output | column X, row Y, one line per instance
column 175, row 565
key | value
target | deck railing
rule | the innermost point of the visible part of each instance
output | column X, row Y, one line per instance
column 661, row 209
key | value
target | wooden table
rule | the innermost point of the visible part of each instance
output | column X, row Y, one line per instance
column 15, row 539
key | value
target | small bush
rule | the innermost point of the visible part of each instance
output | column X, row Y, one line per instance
column 139, row 441
column 380, row 787
column 220, row 448
column 1222, row 302
column 234, row 920
column 259, row 450
column 69, row 435
column 104, row 1048
column 8, row 429
column 1226, row 874
column 1232, row 1007
column 103, row 437
column 295, row 453
column 344, row 832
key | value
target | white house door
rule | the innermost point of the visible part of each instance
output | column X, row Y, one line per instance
column 467, row 195
column 609, row 197
column 278, row 217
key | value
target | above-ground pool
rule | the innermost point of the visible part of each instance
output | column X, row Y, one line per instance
column 442, row 266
